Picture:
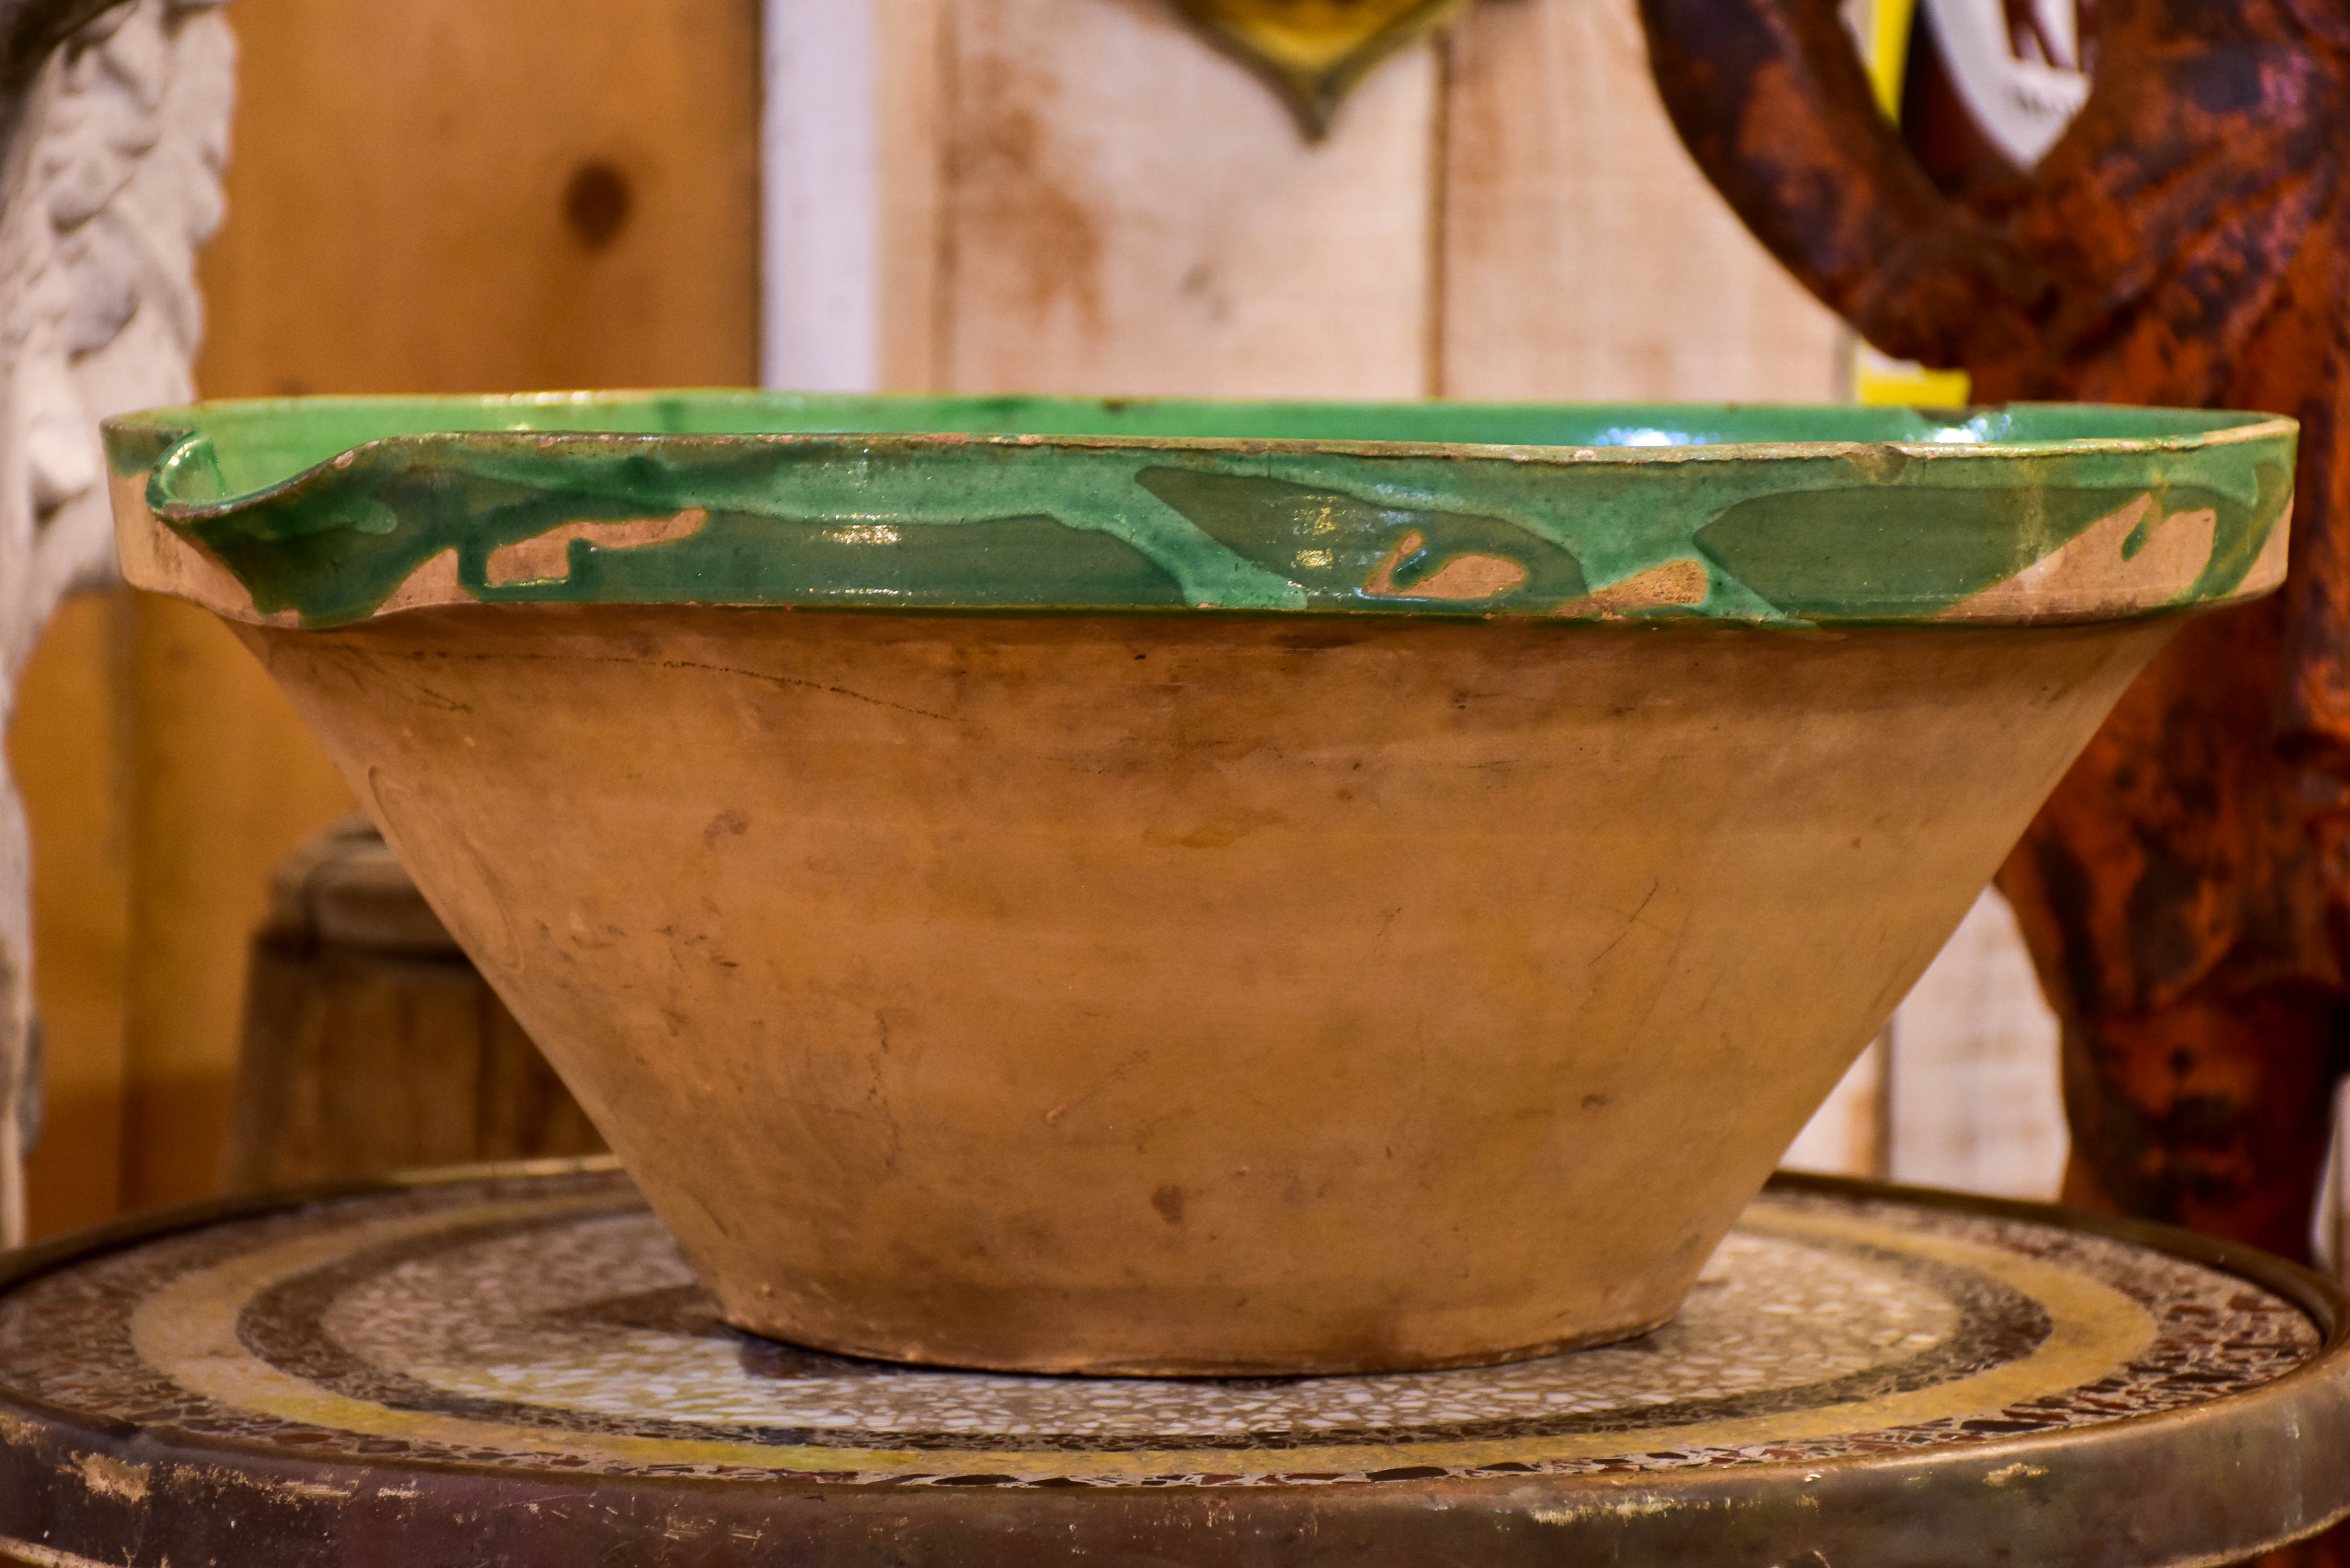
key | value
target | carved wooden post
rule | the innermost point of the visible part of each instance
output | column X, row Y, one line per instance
column 113, row 126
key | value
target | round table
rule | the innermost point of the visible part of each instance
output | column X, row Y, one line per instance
column 512, row 1366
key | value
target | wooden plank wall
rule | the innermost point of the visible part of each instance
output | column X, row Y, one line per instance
column 437, row 195
column 1974, row 1100
column 1121, row 208
column 70, row 746
column 1123, row 211
column 1584, row 255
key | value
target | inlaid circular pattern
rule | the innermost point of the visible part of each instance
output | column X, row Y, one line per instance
column 551, row 1323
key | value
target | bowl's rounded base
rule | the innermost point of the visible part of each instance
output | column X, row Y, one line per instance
column 1076, row 1361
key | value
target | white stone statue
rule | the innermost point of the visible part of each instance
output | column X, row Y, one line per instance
column 113, row 127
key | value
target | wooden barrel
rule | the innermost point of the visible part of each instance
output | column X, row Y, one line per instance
column 371, row 1042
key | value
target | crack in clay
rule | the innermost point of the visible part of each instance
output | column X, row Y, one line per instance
column 1630, row 921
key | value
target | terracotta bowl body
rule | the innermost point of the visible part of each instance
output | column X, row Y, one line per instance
column 1236, row 889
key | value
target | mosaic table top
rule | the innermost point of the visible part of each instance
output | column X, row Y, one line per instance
column 1859, row 1372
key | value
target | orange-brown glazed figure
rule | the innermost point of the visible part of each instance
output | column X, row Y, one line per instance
column 2186, row 893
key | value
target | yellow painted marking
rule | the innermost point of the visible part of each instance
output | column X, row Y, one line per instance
column 1318, row 35
column 1879, row 380
column 1889, row 51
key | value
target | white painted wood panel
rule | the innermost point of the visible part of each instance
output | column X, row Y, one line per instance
column 1584, row 256
column 911, row 152
column 819, row 229
column 1127, row 211
column 1963, row 1089
column 1846, row 1136
column 1976, row 1100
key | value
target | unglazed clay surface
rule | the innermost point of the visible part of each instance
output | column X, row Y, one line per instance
column 1195, row 994
column 1143, row 988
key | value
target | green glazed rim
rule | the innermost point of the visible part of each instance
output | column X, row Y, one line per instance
column 325, row 511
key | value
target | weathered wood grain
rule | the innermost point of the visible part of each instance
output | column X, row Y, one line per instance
column 370, row 1042
column 1849, row 1134
column 429, row 196
column 1584, row 255
column 70, row 746
column 909, row 73
column 1975, row 1101
column 222, row 779
column 1126, row 209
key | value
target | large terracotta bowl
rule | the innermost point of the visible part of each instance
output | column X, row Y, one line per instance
column 1171, row 888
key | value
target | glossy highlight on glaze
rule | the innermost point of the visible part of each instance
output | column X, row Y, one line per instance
column 325, row 511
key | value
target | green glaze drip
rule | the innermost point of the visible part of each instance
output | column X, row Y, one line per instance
column 1891, row 553
column 1330, row 544
column 1793, row 516
column 2242, row 532
column 1024, row 562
